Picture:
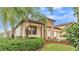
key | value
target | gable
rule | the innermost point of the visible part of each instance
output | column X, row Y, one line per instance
column 49, row 23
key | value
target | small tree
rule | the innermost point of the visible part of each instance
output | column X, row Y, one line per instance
column 14, row 15
column 73, row 35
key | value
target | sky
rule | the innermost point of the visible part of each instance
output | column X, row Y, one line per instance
column 60, row 14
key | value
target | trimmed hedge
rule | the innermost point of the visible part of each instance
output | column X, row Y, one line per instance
column 20, row 44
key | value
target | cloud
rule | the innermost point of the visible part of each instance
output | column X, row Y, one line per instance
column 59, row 10
column 42, row 8
column 67, row 15
column 57, row 7
column 48, row 13
column 62, row 11
column 56, row 17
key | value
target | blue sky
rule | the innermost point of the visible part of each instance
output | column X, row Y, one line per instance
column 60, row 14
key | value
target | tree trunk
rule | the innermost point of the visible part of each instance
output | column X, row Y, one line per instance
column 27, row 30
column 45, row 32
column 6, row 32
column 12, row 34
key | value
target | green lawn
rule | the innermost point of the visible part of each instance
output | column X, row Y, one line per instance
column 58, row 47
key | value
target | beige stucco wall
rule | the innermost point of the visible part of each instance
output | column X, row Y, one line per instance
column 62, row 32
column 20, row 31
column 63, row 29
column 49, row 23
column 23, row 29
column 58, row 34
column 40, row 29
column 50, row 27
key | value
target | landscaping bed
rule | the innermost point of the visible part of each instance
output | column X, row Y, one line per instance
column 20, row 44
column 58, row 42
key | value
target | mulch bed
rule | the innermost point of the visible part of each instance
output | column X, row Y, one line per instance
column 61, row 42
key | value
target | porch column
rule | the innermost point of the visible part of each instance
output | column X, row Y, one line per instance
column 42, row 31
column 52, row 32
column 27, row 29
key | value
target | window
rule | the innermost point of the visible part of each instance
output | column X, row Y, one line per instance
column 58, row 34
column 55, row 34
column 32, row 30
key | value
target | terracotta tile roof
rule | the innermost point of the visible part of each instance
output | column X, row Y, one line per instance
column 51, row 19
column 33, row 21
column 66, row 24
column 57, row 28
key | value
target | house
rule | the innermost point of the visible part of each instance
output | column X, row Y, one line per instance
column 3, row 34
column 33, row 28
column 65, row 25
column 59, row 30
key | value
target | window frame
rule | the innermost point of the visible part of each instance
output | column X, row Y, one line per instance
column 32, row 30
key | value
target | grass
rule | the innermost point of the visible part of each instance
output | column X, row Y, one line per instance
column 57, row 47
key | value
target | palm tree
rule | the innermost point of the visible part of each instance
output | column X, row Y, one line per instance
column 76, row 10
column 3, row 14
column 13, row 15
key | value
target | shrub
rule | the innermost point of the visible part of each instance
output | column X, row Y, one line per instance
column 33, row 37
column 73, row 35
column 20, row 44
